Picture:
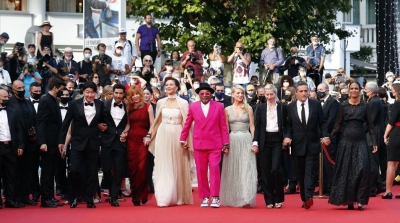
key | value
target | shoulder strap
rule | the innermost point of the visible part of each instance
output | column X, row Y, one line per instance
column 130, row 43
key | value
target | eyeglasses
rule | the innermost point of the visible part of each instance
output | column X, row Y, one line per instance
column 204, row 93
column 148, row 61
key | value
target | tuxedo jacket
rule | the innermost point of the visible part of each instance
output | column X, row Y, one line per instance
column 112, row 131
column 260, row 123
column 81, row 131
column 306, row 138
column 30, row 121
column 209, row 132
column 226, row 102
column 331, row 110
column 375, row 110
column 49, row 119
column 17, row 138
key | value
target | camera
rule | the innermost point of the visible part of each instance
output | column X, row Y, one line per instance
column 193, row 57
column 21, row 49
column 30, row 69
column 45, row 71
column 103, row 61
column 152, row 44
column 71, row 77
column 241, row 49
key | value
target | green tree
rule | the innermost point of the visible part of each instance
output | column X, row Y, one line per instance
column 208, row 22
column 365, row 54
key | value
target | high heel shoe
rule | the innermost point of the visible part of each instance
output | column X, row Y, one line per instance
column 360, row 207
column 388, row 195
column 350, row 207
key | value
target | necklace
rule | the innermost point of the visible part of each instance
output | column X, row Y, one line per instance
column 136, row 107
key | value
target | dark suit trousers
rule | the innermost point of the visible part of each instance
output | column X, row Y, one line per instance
column 79, row 159
column 306, row 167
column 8, row 167
column 34, row 187
column 49, row 160
column 61, row 175
column 382, row 150
column 375, row 181
column 24, row 176
column 149, row 171
column 271, row 171
column 329, row 169
column 112, row 161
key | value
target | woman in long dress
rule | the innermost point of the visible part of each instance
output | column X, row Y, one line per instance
column 172, row 179
column 140, row 119
column 239, row 171
column 351, row 181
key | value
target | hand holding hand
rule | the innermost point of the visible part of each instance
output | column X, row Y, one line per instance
column 61, row 148
column 20, row 152
column 255, row 149
column 287, row 141
column 43, row 148
column 225, row 149
column 375, row 149
column 184, row 145
column 146, row 141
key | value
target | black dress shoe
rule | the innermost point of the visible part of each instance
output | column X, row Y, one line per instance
column 30, row 203
column 54, row 200
column 48, row 204
column 291, row 192
column 90, row 204
column 20, row 204
column 58, row 192
column 144, row 201
column 114, row 203
column 136, row 202
column 350, row 207
column 35, row 199
column 360, row 207
column 74, row 203
column 303, row 205
column 387, row 196
column 11, row 204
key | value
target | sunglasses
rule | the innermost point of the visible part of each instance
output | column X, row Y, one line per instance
column 95, row 77
column 204, row 93
column 148, row 61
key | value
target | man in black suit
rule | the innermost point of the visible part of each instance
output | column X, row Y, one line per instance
column 220, row 95
column 28, row 122
column 11, row 146
column 331, row 109
column 49, row 119
column 375, row 109
column 305, row 128
column 85, row 115
column 114, row 130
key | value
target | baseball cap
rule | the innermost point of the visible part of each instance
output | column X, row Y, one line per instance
column 250, row 87
column 122, row 30
column 119, row 45
column 31, row 45
column 5, row 35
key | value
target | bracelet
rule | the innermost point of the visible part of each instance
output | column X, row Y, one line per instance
column 148, row 135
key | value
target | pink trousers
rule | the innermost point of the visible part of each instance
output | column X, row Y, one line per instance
column 203, row 158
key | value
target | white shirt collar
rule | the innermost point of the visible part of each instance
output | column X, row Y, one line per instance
column 172, row 96
column 205, row 105
column 299, row 103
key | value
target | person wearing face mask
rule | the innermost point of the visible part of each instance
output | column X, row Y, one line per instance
column 28, row 76
column 217, row 61
column 390, row 77
column 330, row 108
column 119, row 67
column 250, row 92
column 67, row 68
column 4, row 75
column 102, row 64
column 293, row 62
column 11, row 145
column 167, row 70
column 193, row 96
column 302, row 77
column 344, row 94
column 285, row 83
column 85, row 67
column 4, row 37
column 271, row 60
column 28, row 121
column 220, row 96
column 315, row 58
column 183, row 92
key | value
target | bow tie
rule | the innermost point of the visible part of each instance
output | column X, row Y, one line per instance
column 61, row 107
column 35, row 101
column 90, row 104
column 119, row 105
column 4, row 108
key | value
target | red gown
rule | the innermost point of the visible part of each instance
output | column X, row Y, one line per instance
column 137, row 151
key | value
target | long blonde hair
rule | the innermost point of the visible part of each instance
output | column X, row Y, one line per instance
column 245, row 106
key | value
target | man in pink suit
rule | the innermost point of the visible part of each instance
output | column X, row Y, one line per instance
column 210, row 135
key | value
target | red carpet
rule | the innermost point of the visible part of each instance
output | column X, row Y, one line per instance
column 378, row 210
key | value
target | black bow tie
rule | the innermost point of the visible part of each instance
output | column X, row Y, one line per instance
column 61, row 107
column 90, row 104
column 35, row 101
column 119, row 105
column 4, row 108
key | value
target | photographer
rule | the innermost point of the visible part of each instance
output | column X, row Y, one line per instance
column 4, row 75
column 271, row 60
column 47, row 67
column 28, row 76
column 17, row 60
column 315, row 57
column 293, row 62
column 217, row 61
column 102, row 64
column 193, row 58
column 67, row 68
column 241, row 64
column 4, row 37
column 148, row 34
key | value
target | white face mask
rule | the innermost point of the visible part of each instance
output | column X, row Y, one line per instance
column 1, row 42
column 155, row 84
column 285, row 84
column 315, row 43
column 88, row 55
column 271, row 46
column 133, row 81
column 169, row 68
column 390, row 79
column 68, row 58
column 118, row 51
column 302, row 74
column 1, row 68
column 195, row 86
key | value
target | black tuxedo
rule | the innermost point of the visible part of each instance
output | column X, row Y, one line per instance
column 331, row 109
column 113, row 152
column 49, row 119
column 9, row 154
column 271, row 155
column 25, row 162
column 227, row 101
column 84, row 146
column 306, row 143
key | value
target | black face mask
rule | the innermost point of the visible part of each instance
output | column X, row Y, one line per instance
column 288, row 98
column 321, row 94
column 365, row 95
column 262, row 99
column 20, row 94
column 64, row 100
column 344, row 97
column 71, row 92
column 4, row 103
column 36, row 96
column 59, row 93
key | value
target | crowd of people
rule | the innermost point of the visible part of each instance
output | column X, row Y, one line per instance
column 162, row 129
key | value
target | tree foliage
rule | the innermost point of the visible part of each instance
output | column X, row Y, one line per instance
column 208, row 22
column 365, row 54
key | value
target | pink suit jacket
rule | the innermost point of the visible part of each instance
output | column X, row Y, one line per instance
column 209, row 132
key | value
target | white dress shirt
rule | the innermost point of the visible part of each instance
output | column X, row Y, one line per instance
column 205, row 108
column 90, row 111
column 35, row 105
column 5, row 77
column 117, row 113
column 5, row 134
column 325, row 99
column 272, row 119
column 305, row 109
column 63, row 111
column 31, row 59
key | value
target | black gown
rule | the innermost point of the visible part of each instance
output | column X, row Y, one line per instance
column 352, row 169
column 393, row 151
